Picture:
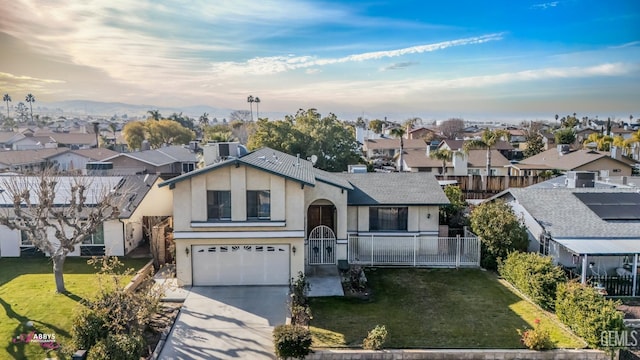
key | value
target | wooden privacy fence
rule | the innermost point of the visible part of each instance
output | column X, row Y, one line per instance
column 414, row 250
column 495, row 184
column 617, row 285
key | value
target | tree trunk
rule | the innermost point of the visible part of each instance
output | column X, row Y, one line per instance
column 58, row 264
column 486, row 182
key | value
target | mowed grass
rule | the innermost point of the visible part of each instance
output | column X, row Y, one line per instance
column 432, row 308
column 28, row 293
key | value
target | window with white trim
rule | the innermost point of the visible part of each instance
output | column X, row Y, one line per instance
column 388, row 218
column 96, row 238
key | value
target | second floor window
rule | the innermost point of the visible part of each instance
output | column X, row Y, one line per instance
column 388, row 218
column 258, row 205
column 219, row 205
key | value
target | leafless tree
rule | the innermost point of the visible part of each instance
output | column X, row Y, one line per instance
column 58, row 213
column 452, row 128
column 240, row 115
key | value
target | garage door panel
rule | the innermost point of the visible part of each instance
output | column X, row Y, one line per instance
column 240, row 264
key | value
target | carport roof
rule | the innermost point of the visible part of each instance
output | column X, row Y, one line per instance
column 601, row 247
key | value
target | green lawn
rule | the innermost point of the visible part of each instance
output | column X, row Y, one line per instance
column 432, row 308
column 27, row 292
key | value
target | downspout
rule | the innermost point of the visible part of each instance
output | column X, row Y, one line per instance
column 635, row 273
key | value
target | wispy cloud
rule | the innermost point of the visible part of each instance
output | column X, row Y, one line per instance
column 11, row 77
column 626, row 45
column 399, row 66
column 278, row 64
column 544, row 6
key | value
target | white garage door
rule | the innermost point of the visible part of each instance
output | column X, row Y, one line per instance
column 240, row 264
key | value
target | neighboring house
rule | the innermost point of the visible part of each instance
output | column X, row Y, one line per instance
column 263, row 217
column 422, row 133
column 72, row 140
column 76, row 160
column 8, row 137
column 115, row 237
column 504, row 147
column 548, row 139
column 31, row 142
column 625, row 132
column 167, row 161
column 28, row 160
column 591, row 231
column 477, row 163
column 576, row 160
column 389, row 147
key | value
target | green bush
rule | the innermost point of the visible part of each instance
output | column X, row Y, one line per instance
column 375, row 338
column 586, row 312
column 117, row 347
column 88, row 328
column 499, row 230
column 292, row 341
column 534, row 275
column 537, row 338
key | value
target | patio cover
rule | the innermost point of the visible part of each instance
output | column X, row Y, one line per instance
column 601, row 246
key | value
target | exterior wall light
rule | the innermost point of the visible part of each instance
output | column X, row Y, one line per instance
column 186, row 250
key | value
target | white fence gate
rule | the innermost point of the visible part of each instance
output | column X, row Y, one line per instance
column 322, row 246
column 415, row 250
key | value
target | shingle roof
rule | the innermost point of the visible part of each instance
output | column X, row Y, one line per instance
column 394, row 189
column 418, row 159
column 459, row 144
column 478, row 158
column 376, row 144
column 274, row 162
column 563, row 215
column 162, row 156
column 569, row 161
column 96, row 154
column 71, row 138
column 19, row 157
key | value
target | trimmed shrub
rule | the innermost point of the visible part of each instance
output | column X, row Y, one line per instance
column 375, row 338
column 118, row 347
column 534, row 275
column 587, row 313
column 88, row 328
column 292, row 341
column 537, row 338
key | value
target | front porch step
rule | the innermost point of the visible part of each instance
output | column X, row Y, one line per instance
column 321, row 270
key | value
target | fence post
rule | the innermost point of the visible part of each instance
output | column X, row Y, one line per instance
column 371, row 250
column 415, row 248
column 479, row 252
column 457, row 251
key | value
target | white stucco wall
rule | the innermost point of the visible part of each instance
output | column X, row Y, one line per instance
column 9, row 242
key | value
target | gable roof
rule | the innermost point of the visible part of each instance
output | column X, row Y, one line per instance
column 569, row 161
column 459, row 144
column 160, row 157
column 415, row 158
column 19, row 157
column 274, row 162
column 96, row 154
column 478, row 158
column 70, row 138
column 394, row 189
column 564, row 216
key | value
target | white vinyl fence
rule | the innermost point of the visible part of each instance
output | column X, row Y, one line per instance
column 415, row 250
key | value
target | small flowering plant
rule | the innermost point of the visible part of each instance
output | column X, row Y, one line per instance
column 537, row 338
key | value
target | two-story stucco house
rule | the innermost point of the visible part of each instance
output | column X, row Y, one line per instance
column 261, row 218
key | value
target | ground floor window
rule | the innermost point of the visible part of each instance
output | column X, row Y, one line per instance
column 97, row 238
column 388, row 218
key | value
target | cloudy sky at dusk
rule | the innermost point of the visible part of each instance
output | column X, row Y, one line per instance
column 475, row 59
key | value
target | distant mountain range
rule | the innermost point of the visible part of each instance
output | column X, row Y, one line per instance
column 108, row 109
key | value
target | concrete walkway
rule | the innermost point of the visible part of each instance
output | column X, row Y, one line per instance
column 324, row 280
column 227, row 322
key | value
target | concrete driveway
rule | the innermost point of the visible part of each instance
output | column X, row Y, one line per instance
column 227, row 322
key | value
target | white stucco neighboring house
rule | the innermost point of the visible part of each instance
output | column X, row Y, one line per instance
column 115, row 237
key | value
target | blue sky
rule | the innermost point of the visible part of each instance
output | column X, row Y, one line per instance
column 431, row 59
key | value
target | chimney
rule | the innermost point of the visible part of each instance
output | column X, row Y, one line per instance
column 563, row 149
column 145, row 145
column 459, row 160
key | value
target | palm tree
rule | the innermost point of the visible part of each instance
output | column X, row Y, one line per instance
column 444, row 155
column 257, row 101
column 634, row 139
column 6, row 98
column 251, row 100
column 30, row 99
column 488, row 140
column 203, row 120
column 155, row 114
column 603, row 142
column 399, row 132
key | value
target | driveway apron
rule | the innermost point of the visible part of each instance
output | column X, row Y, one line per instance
column 227, row 322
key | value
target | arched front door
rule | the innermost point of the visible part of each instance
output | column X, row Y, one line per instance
column 322, row 246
